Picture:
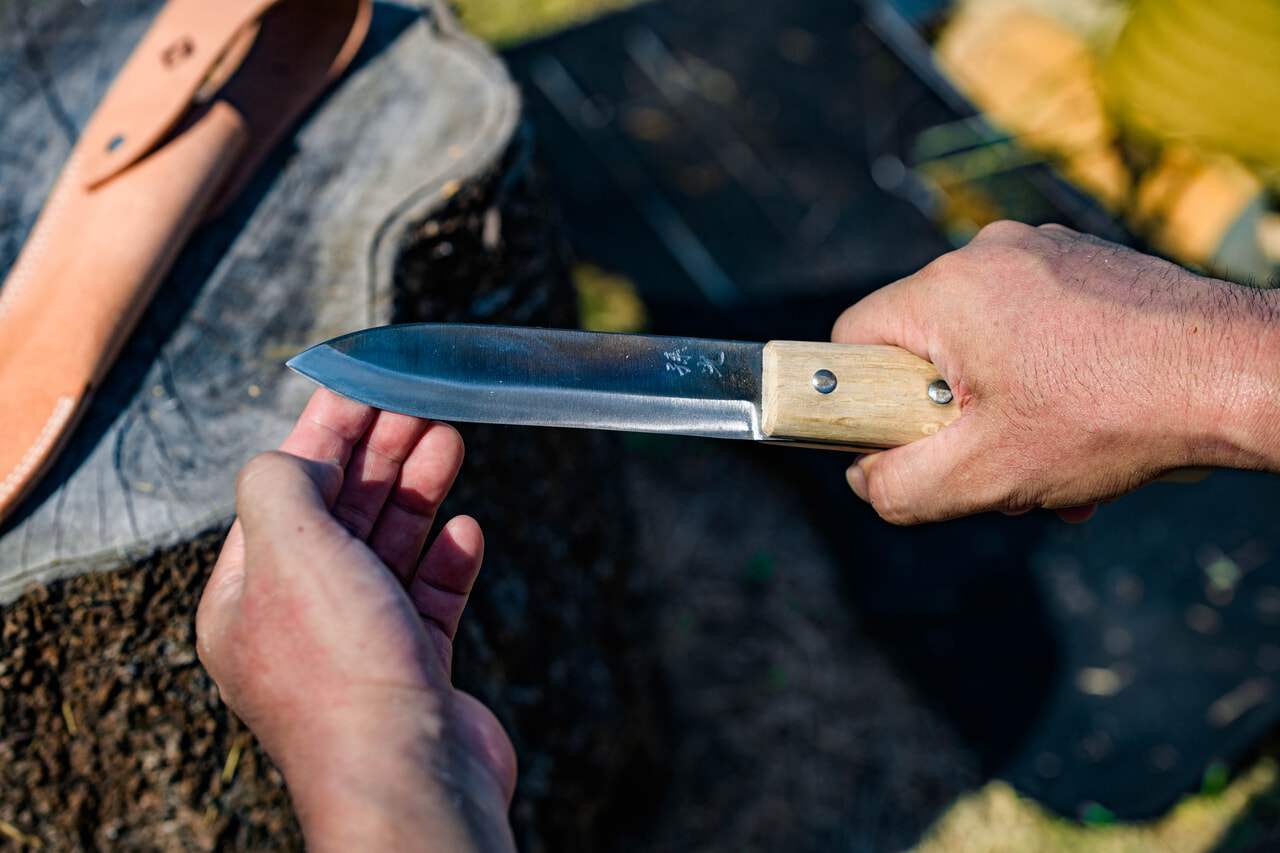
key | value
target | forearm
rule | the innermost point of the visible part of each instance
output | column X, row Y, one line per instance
column 1184, row 369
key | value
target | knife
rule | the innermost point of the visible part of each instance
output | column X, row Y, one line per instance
column 840, row 396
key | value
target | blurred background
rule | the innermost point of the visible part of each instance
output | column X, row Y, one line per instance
column 746, row 169
column 823, row 682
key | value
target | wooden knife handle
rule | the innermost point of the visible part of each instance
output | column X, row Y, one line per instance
column 881, row 395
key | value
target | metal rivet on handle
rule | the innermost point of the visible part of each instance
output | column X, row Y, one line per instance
column 940, row 392
column 824, row 381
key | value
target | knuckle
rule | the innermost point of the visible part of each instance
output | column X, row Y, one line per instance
column 1058, row 229
column 1004, row 229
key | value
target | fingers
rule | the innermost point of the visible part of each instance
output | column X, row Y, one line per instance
column 442, row 583
column 1002, row 320
column 914, row 484
column 274, row 488
column 371, row 446
column 927, row 480
column 329, row 428
column 373, row 469
column 1077, row 514
column 398, row 470
column 410, row 507
column 282, row 504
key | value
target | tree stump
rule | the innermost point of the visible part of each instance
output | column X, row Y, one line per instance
column 307, row 252
column 408, row 194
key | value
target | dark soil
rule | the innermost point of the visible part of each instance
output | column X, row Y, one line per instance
column 790, row 731
column 112, row 736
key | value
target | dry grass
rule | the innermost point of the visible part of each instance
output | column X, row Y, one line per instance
column 506, row 22
column 996, row 820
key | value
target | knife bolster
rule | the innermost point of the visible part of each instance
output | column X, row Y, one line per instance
column 880, row 399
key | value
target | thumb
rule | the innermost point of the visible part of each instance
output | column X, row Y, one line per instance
column 269, row 487
column 275, row 488
column 886, row 316
column 923, row 481
column 279, row 497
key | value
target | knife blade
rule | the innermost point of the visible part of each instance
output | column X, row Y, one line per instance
column 842, row 396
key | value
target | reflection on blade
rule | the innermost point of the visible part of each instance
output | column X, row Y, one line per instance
column 547, row 377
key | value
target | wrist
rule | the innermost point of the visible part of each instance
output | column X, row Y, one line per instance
column 1242, row 398
column 382, row 777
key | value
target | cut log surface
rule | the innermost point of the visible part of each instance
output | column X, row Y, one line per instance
column 307, row 252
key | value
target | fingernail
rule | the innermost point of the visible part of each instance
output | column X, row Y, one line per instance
column 857, row 479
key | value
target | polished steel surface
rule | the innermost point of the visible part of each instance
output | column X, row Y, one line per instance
column 824, row 381
column 940, row 392
column 547, row 377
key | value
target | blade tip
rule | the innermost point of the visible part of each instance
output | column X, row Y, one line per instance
column 302, row 363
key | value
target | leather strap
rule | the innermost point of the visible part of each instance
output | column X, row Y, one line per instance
column 158, row 84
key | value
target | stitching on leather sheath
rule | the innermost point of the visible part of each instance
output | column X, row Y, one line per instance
column 29, row 258
column 52, row 429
